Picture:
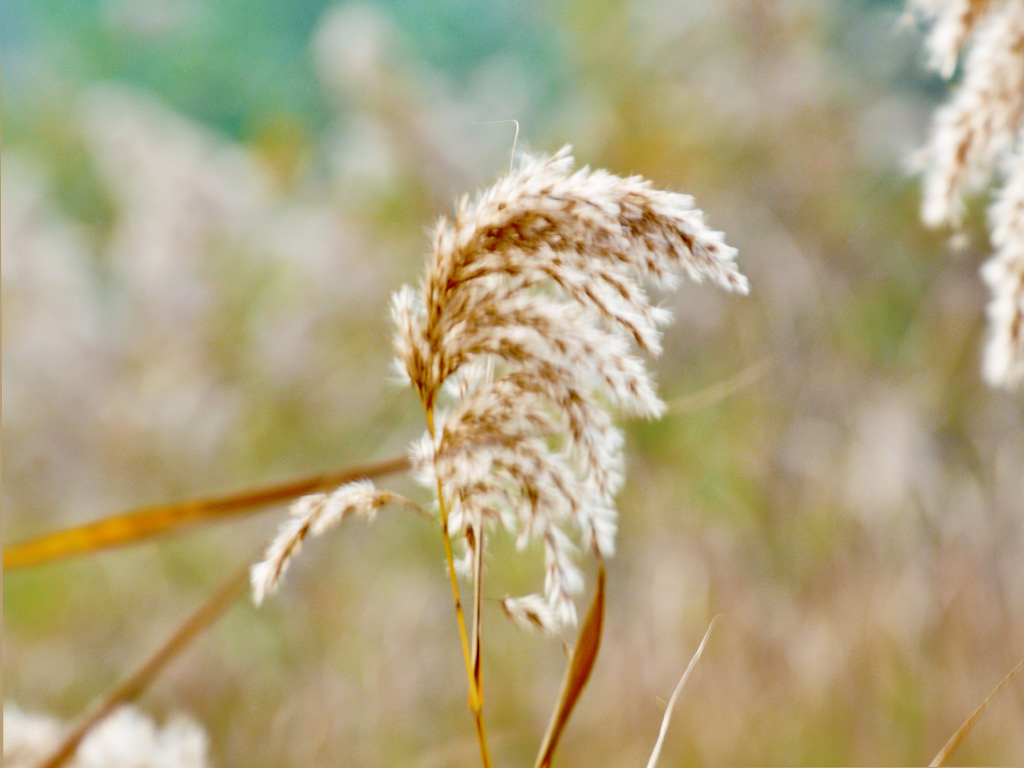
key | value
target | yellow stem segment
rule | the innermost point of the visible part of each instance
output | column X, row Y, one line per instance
column 143, row 523
column 475, row 697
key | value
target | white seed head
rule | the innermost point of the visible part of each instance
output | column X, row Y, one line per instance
column 978, row 127
column 521, row 337
column 125, row 739
column 1004, row 274
column 313, row 515
column 952, row 22
column 977, row 136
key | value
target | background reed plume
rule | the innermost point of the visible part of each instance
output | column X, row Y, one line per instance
column 126, row 739
column 977, row 136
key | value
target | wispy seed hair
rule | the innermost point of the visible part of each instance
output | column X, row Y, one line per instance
column 313, row 515
column 978, row 135
column 523, row 326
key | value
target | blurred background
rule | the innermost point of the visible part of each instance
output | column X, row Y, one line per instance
column 205, row 207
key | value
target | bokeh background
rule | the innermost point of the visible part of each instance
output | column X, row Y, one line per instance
column 205, row 207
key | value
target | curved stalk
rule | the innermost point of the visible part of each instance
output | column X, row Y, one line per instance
column 471, row 659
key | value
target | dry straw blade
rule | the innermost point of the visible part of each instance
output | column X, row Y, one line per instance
column 963, row 730
column 721, row 390
column 136, row 682
column 581, row 664
column 656, row 752
column 143, row 523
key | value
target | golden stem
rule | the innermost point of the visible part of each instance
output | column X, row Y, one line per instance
column 478, row 580
column 963, row 730
column 142, row 523
column 475, row 699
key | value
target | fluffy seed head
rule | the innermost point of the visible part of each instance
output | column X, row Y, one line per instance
column 313, row 515
column 978, row 135
column 1004, row 274
column 519, row 339
column 125, row 739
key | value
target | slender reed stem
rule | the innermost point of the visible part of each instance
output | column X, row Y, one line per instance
column 720, row 390
column 656, row 752
column 963, row 730
column 144, row 522
column 137, row 681
column 478, row 579
column 470, row 659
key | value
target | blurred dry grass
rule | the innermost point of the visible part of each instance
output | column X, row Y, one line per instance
column 185, row 312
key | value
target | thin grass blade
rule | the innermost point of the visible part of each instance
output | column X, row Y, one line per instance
column 141, row 524
column 580, row 666
column 963, row 730
column 656, row 752
column 136, row 682
column 721, row 390
column 478, row 574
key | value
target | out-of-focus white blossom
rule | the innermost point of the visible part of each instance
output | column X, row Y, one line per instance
column 1004, row 274
column 125, row 739
column 978, row 135
column 180, row 193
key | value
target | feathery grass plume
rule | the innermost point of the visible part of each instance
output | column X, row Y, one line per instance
column 531, row 299
column 979, row 134
column 1004, row 273
column 313, row 515
column 953, row 21
column 127, row 739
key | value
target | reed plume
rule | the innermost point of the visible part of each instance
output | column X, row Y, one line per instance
column 530, row 302
column 519, row 343
column 978, row 135
column 315, row 514
column 516, row 343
